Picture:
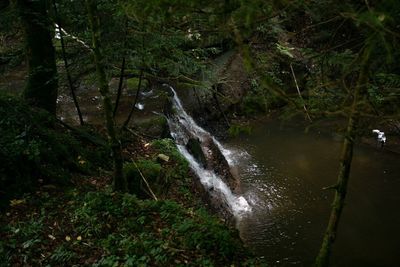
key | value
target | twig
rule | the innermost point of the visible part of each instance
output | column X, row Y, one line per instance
column 298, row 91
column 140, row 135
column 83, row 134
column 67, row 70
column 145, row 181
column 335, row 186
column 135, row 101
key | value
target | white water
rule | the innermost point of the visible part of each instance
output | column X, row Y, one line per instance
column 58, row 36
column 182, row 126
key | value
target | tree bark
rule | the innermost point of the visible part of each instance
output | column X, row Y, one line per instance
column 120, row 183
column 120, row 84
column 322, row 259
column 42, row 86
column 64, row 56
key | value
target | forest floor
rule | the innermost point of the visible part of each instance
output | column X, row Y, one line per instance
column 87, row 223
column 84, row 222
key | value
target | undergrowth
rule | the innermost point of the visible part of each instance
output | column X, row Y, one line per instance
column 114, row 229
column 33, row 150
column 81, row 222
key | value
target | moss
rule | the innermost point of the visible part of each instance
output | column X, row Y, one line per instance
column 237, row 129
column 156, row 126
column 133, row 83
column 152, row 172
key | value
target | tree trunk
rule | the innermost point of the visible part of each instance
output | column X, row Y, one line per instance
column 64, row 55
column 120, row 183
column 42, row 86
column 120, row 85
column 322, row 259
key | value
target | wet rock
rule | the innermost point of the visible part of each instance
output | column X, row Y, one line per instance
column 217, row 162
column 168, row 107
column 208, row 154
column 213, row 201
column 194, row 148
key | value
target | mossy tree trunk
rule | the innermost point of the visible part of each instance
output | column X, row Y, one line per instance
column 120, row 183
column 359, row 96
column 42, row 85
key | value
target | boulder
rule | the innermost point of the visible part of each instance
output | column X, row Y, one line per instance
column 217, row 162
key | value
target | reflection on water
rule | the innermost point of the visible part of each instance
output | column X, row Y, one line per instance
column 284, row 176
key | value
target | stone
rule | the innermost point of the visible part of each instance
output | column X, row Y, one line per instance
column 194, row 148
column 162, row 158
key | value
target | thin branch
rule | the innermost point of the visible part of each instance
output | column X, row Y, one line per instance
column 298, row 91
column 135, row 101
column 64, row 55
column 145, row 181
column 335, row 187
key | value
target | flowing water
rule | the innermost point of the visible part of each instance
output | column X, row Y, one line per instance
column 283, row 176
column 283, row 212
column 182, row 127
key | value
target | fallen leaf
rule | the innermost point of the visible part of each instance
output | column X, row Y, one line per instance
column 16, row 202
column 51, row 237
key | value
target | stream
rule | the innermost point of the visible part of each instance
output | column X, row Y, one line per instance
column 283, row 176
column 282, row 211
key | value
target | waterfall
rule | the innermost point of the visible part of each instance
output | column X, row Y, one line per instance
column 182, row 127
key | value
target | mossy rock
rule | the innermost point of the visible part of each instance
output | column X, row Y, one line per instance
column 133, row 83
column 150, row 170
column 155, row 126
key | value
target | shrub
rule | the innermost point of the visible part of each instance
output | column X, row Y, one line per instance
column 31, row 148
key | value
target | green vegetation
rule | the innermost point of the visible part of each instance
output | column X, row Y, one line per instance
column 238, row 129
column 33, row 152
column 118, row 229
column 80, row 194
column 57, row 224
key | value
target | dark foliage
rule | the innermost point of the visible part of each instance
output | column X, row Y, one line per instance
column 32, row 151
